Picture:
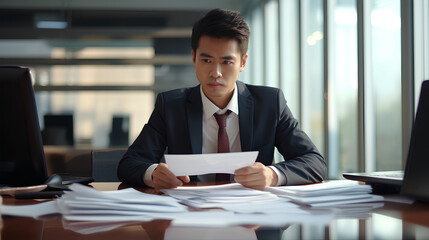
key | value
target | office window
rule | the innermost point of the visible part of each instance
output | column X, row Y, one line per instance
column 290, row 54
column 92, row 75
column 102, row 64
column 256, row 44
column 271, row 43
column 342, row 88
column 383, row 85
column 421, row 44
column 246, row 75
column 93, row 112
column 312, row 80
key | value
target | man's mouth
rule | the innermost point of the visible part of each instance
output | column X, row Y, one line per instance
column 215, row 84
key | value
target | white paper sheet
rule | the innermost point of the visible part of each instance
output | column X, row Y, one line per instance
column 34, row 210
column 198, row 164
column 233, row 197
column 329, row 188
column 330, row 193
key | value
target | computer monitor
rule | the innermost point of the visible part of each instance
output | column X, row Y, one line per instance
column 22, row 159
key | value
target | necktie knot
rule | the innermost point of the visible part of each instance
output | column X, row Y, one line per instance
column 221, row 118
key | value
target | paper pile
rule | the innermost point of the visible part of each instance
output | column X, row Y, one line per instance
column 239, row 205
column 332, row 193
column 84, row 203
column 243, row 206
column 233, row 197
column 219, row 195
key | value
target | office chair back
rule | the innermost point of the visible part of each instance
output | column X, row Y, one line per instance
column 105, row 164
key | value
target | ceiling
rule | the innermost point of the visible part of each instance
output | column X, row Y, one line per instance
column 108, row 19
column 165, row 25
column 176, row 5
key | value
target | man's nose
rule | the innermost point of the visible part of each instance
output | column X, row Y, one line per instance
column 216, row 71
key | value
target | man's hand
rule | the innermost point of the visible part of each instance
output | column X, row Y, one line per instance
column 257, row 176
column 163, row 178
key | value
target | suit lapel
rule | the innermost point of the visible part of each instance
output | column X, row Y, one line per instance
column 245, row 111
column 195, row 123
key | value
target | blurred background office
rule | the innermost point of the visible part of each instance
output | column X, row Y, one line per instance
column 350, row 69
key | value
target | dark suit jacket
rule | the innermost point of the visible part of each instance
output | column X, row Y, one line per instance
column 175, row 127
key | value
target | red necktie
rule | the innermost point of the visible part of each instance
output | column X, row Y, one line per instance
column 223, row 142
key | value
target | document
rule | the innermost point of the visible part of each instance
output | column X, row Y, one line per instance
column 233, row 197
column 225, row 205
column 198, row 164
column 330, row 193
column 87, row 204
column 34, row 210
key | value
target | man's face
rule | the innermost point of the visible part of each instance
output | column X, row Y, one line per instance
column 217, row 62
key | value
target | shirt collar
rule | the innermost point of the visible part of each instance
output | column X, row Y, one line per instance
column 210, row 108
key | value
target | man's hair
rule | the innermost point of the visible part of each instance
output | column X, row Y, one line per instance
column 221, row 23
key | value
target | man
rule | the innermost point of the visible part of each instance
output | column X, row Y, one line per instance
column 184, row 121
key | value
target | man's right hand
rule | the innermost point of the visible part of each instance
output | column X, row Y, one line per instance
column 163, row 178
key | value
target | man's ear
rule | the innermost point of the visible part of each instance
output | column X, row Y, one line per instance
column 243, row 62
column 193, row 56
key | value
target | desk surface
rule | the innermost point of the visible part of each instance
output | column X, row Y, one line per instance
column 392, row 221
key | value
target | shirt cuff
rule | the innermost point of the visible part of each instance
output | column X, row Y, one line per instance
column 147, row 179
column 281, row 179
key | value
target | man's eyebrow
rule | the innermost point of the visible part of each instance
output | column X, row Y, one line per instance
column 205, row 55
column 228, row 57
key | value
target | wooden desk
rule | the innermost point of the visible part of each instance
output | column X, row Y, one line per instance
column 392, row 221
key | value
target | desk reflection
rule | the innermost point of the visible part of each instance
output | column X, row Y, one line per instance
column 378, row 225
column 349, row 222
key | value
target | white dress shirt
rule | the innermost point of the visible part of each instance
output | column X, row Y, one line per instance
column 210, row 134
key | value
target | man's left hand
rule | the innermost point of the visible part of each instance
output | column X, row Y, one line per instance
column 258, row 176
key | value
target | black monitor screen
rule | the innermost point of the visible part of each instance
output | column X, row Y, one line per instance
column 22, row 160
column 416, row 176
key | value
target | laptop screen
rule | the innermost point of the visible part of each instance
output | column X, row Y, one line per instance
column 416, row 176
column 22, row 160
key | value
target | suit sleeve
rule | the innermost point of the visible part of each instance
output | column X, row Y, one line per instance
column 302, row 163
column 147, row 149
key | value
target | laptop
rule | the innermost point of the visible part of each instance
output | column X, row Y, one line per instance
column 22, row 158
column 412, row 182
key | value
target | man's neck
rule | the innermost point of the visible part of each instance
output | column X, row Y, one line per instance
column 209, row 107
column 221, row 102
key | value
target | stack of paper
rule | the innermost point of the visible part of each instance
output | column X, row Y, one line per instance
column 330, row 193
column 240, row 205
column 220, row 196
column 245, row 207
column 87, row 204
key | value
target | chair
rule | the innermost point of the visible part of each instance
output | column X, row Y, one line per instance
column 105, row 164
column 119, row 134
column 58, row 129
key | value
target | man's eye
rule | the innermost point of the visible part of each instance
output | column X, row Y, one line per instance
column 207, row 60
column 227, row 62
